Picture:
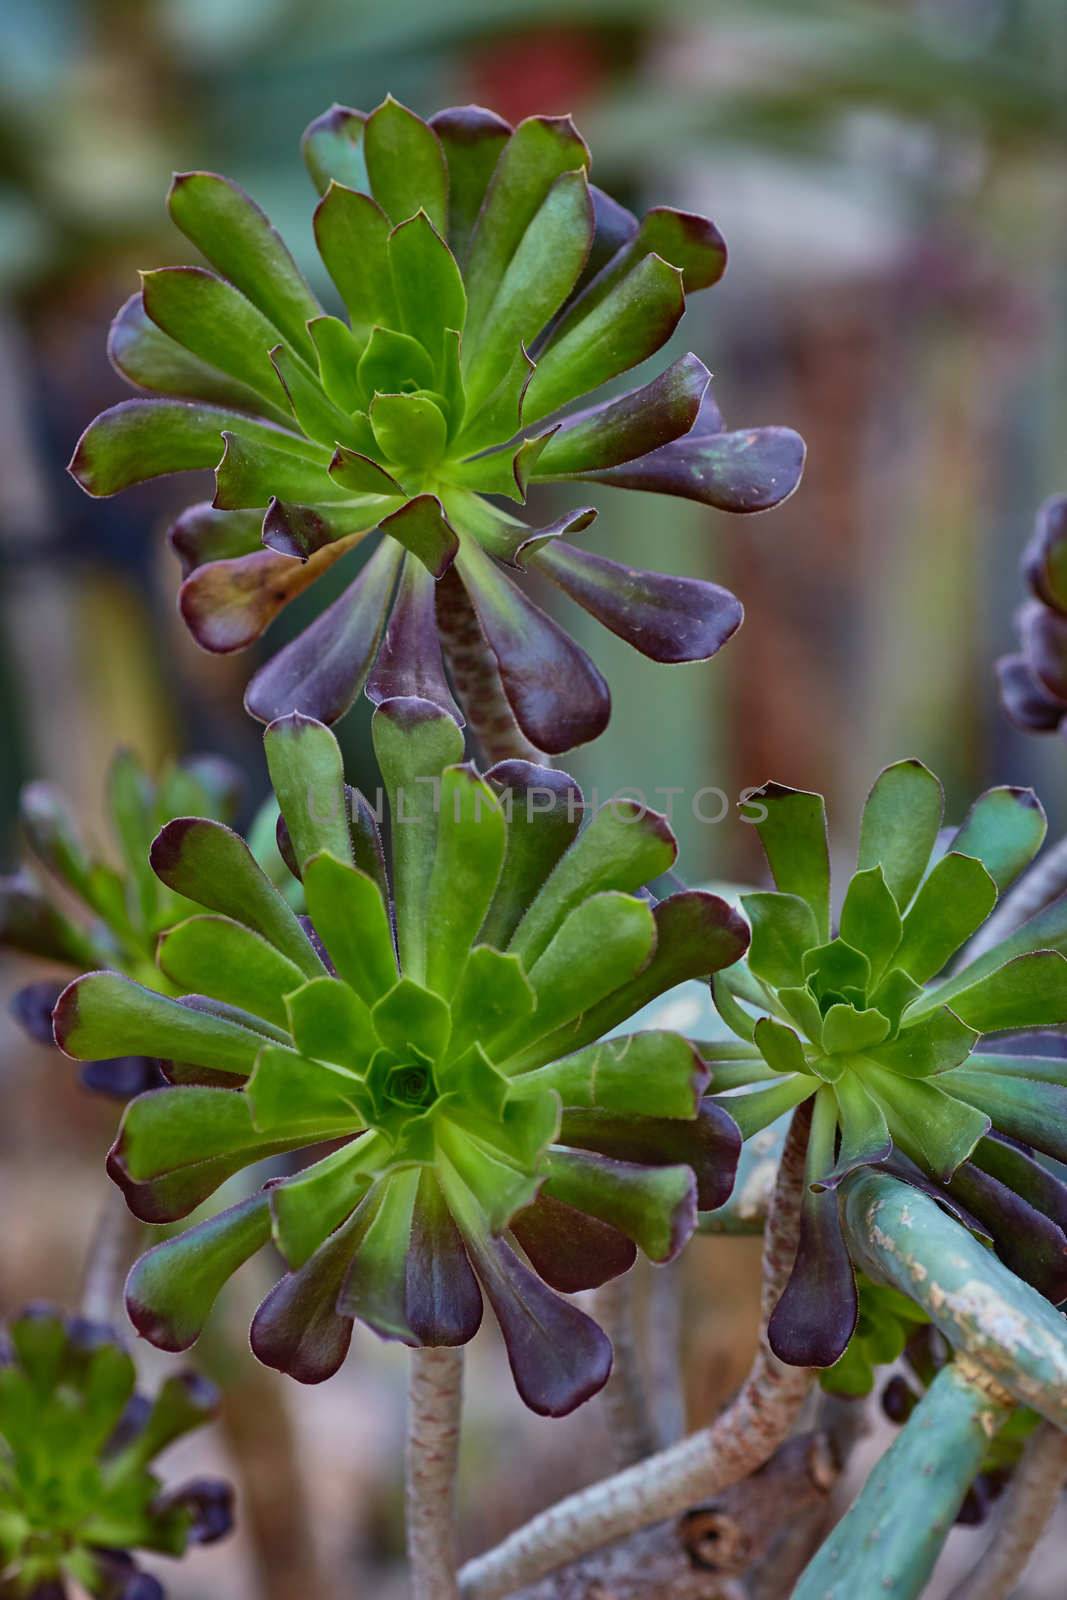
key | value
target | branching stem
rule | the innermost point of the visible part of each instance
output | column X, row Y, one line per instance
column 434, row 1405
column 1027, row 1506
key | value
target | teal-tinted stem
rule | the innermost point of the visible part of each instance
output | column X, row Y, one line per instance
column 887, row 1543
column 900, row 1236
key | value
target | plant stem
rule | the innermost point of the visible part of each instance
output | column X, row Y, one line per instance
column 435, row 1399
column 738, row 1442
column 476, row 678
column 112, row 1247
column 1030, row 1501
column 1046, row 879
column 624, row 1399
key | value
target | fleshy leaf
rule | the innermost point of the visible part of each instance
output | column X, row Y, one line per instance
column 779, row 1045
column 321, row 672
column 298, row 1329
column 666, row 618
column 172, row 1288
column 414, row 741
column 308, row 777
column 570, row 1250
column 619, row 430
column 220, row 958
column 645, row 1074
column 654, row 1206
column 406, row 164
column 422, row 527
column 783, row 928
column 865, row 1137
column 346, row 908
column 208, row 316
column 952, row 903
column 559, row 698
column 352, row 233
column 332, row 147
column 235, row 236
column 1023, row 1108
column 1004, row 829
column 410, row 663
column 104, row 1015
column 1029, row 991
column 900, row 826
column 493, row 993
column 472, row 139
column 288, row 1094
column 544, row 809
column 329, row 1021
column 936, row 1043
column 141, row 439
column 793, row 835
column 210, row 864
column 710, row 1143
column 429, row 288
column 933, row 1126
column 471, row 838
column 443, row 1304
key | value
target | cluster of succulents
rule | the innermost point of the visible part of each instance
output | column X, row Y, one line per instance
column 78, row 1493
column 861, row 1024
column 487, row 288
column 123, row 909
column 1033, row 680
column 442, row 1026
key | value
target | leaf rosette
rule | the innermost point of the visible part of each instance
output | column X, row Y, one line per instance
column 862, row 1029
column 71, row 905
column 78, row 1492
column 440, row 1027
column 487, row 288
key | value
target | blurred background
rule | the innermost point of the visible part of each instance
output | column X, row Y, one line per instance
column 890, row 177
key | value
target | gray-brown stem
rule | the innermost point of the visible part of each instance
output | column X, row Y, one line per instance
column 1027, row 1506
column 435, row 1400
column 113, row 1245
column 740, row 1440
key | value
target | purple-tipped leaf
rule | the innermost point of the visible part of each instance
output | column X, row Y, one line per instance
column 570, row 1250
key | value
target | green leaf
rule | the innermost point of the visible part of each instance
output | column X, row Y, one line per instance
column 936, row 1043
column 803, row 1007
column 472, row 139
column 951, row 905
column 755, row 1109
column 689, row 242
column 653, row 1206
column 141, row 439
column 235, row 236
column 846, row 1031
column 210, row 864
column 411, row 1017
column 1004, row 829
column 332, row 147
column 339, row 356
column 865, row 1138
column 793, row 835
column 429, row 288
column 624, row 847
column 129, row 795
column 493, row 993
column 308, row 776
column 414, row 741
column 330, row 1022
column 631, row 323
column 471, row 834
column 351, row 919
column 421, row 526
column 362, row 476
column 783, row 928
column 779, row 1046
column 630, row 426
column 406, row 165
column 1027, row 992
column 894, row 995
column 1031, row 1110
column 900, row 825
column 601, row 944
column 222, row 959
column 834, row 967
column 410, row 429
column 287, row 1095
column 172, row 1288
column 307, row 1207
column 544, row 810
column 251, row 472
column 653, row 1074
column 375, row 1288
column 537, row 280
column 352, row 233
column 870, row 920
column 317, row 415
column 392, row 362
column 176, row 1146
column 104, row 1015
column 208, row 316
column 934, row 1127
column 540, row 150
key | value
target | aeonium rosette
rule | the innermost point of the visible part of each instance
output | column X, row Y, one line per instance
column 441, row 1024
column 860, row 1029
column 78, row 1443
column 71, row 906
column 487, row 289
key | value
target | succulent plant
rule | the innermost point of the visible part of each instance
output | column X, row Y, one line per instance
column 488, row 289
column 885, row 1321
column 124, row 909
column 442, row 1028
column 77, row 1447
column 859, row 1029
column 1033, row 682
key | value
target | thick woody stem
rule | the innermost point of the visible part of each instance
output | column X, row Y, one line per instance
column 476, row 678
column 435, row 1400
column 1028, row 1504
column 739, row 1441
column 113, row 1245
column 1046, row 879
column 624, row 1400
